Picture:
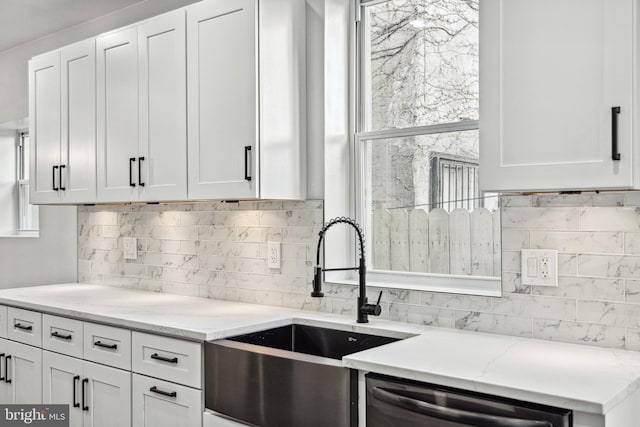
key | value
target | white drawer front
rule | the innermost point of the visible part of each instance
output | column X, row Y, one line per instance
column 62, row 335
column 168, row 359
column 161, row 403
column 3, row 321
column 24, row 326
column 107, row 345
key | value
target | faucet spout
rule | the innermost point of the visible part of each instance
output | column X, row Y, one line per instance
column 364, row 308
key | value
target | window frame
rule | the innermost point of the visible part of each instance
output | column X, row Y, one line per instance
column 458, row 284
column 25, row 209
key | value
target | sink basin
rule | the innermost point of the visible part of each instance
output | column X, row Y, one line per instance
column 314, row 340
column 289, row 376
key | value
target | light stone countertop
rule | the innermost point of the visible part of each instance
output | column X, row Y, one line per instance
column 582, row 378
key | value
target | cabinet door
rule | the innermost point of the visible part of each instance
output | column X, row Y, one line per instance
column 6, row 388
column 78, row 145
column 25, row 371
column 163, row 111
column 549, row 80
column 61, row 381
column 107, row 396
column 117, row 116
column 44, row 114
column 222, row 89
column 162, row 404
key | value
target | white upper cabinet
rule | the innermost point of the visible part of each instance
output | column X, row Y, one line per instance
column 142, row 139
column 44, row 114
column 162, row 152
column 205, row 102
column 78, row 145
column 117, row 115
column 62, row 111
column 246, row 86
column 557, row 93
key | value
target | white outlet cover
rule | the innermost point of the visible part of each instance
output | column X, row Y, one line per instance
column 130, row 245
column 274, row 255
column 539, row 267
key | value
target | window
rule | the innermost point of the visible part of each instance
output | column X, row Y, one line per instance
column 417, row 137
column 28, row 214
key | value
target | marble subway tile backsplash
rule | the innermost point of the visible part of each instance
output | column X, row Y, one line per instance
column 219, row 250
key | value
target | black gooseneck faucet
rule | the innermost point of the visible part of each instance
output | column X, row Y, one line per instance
column 364, row 309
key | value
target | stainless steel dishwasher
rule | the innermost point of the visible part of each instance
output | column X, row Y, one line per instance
column 392, row 402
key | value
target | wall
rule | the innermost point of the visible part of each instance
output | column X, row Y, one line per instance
column 13, row 62
column 218, row 250
column 50, row 258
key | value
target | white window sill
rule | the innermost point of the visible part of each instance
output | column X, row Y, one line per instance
column 22, row 234
column 452, row 284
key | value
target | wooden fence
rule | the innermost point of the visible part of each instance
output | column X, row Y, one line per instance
column 460, row 242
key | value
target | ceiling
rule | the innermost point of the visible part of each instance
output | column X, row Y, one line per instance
column 24, row 20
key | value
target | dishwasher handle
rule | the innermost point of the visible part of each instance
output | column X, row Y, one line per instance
column 452, row 414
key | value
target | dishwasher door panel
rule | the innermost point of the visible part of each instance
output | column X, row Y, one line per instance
column 393, row 402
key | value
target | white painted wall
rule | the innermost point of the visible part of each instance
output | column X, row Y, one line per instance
column 50, row 258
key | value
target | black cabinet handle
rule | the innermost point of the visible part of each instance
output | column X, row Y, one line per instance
column 85, row 407
column 103, row 345
column 155, row 389
column 164, row 359
column 247, row 150
column 75, row 391
column 2, row 377
column 54, row 178
column 60, row 175
column 140, row 160
column 131, row 161
column 61, row 336
column 615, row 112
column 28, row 328
column 6, row 369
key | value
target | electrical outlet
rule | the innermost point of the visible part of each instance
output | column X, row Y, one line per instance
column 274, row 252
column 130, row 245
column 539, row 267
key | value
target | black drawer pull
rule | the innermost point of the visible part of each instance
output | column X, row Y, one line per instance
column 85, row 407
column 23, row 327
column 140, row 160
column 60, row 175
column 61, row 336
column 6, row 369
column 247, row 151
column 103, row 345
column 2, row 377
column 155, row 389
column 54, row 178
column 76, row 404
column 131, row 161
column 164, row 359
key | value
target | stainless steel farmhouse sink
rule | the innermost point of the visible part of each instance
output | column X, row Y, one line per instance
column 287, row 376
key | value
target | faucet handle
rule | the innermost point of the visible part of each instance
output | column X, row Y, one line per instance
column 379, row 298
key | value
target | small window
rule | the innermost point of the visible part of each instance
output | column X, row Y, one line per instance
column 417, row 139
column 28, row 214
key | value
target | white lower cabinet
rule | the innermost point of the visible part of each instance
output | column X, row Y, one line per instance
column 23, row 373
column 159, row 403
column 97, row 395
column 108, row 396
column 61, row 384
